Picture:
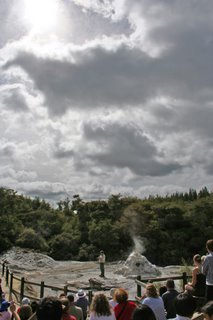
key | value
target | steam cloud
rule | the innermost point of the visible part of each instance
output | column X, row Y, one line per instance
column 138, row 245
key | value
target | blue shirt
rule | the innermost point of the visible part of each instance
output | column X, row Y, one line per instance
column 208, row 269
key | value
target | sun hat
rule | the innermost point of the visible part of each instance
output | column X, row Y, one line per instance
column 25, row 300
column 80, row 294
column 4, row 305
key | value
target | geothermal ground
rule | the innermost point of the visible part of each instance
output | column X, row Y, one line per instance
column 36, row 267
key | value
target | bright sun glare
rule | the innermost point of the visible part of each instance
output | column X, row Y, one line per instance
column 41, row 15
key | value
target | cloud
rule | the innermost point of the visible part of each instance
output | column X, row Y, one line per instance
column 119, row 91
column 128, row 147
column 15, row 101
column 120, row 77
column 7, row 150
column 12, row 27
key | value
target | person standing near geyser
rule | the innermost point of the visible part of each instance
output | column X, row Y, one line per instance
column 101, row 260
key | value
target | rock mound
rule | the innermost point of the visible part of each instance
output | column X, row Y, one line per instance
column 26, row 259
column 137, row 264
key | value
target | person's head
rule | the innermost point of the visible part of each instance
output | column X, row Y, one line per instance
column 143, row 313
column 62, row 295
column 25, row 312
column 65, row 304
column 209, row 245
column 34, row 306
column 121, row 295
column 197, row 259
column 170, row 284
column 185, row 305
column 49, row 308
column 4, row 305
column 71, row 298
column 207, row 310
column 151, row 290
column 25, row 301
column 100, row 305
column 162, row 290
column 101, row 252
column 80, row 294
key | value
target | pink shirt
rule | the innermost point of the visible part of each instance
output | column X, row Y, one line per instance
column 5, row 315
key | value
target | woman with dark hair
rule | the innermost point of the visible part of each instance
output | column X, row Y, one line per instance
column 198, row 285
column 144, row 312
column 124, row 309
column 100, row 308
column 154, row 302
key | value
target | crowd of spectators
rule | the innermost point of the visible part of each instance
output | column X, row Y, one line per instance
column 64, row 308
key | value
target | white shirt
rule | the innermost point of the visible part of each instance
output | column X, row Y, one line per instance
column 157, row 306
column 102, row 258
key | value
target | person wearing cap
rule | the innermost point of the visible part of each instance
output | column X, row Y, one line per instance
column 4, row 313
column 101, row 260
column 24, row 302
column 82, row 302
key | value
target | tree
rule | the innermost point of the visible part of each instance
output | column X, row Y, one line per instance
column 203, row 193
column 64, row 246
column 31, row 240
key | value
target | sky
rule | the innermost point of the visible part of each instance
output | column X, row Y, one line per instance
column 100, row 97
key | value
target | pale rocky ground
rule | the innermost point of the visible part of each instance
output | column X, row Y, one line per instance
column 37, row 267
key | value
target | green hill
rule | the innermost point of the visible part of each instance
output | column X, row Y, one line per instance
column 167, row 229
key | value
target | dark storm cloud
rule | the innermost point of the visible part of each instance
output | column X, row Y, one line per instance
column 100, row 77
column 128, row 147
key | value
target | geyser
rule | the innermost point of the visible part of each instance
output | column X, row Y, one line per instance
column 137, row 264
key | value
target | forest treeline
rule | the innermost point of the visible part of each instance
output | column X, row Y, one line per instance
column 170, row 228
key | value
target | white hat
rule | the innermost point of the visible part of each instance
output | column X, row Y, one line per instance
column 80, row 294
column 25, row 301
